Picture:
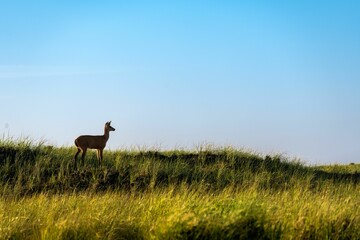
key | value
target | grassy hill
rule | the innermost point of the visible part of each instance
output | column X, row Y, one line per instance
column 209, row 193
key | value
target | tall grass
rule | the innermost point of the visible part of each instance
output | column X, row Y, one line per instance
column 183, row 214
column 208, row 193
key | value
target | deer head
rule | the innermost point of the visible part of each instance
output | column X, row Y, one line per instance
column 108, row 127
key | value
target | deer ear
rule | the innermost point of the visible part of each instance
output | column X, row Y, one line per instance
column 109, row 122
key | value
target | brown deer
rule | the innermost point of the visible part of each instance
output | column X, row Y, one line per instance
column 98, row 142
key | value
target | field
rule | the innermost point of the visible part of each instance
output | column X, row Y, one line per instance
column 208, row 193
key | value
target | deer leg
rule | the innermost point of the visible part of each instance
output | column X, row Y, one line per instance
column 83, row 155
column 98, row 154
column 101, row 156
column 77, row 153
column 75, row 157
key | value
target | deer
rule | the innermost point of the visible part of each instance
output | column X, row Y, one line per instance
column 97, row 142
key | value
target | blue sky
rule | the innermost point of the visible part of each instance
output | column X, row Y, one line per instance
column 271, row 76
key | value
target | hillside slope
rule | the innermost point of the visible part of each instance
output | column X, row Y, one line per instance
column 26, row 168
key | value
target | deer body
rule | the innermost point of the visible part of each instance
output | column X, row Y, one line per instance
column 98, row 142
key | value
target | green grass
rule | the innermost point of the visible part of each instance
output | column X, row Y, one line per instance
column 209, row 193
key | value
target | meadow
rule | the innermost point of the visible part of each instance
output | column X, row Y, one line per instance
column 208, row 193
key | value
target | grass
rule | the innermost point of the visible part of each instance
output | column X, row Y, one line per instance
column 205, row 194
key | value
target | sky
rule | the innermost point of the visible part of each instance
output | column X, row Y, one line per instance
column 274, row 77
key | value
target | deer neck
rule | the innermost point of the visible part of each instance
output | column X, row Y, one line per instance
column 106, row 134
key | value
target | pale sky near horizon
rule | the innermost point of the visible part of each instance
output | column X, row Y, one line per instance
column 271, row 76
